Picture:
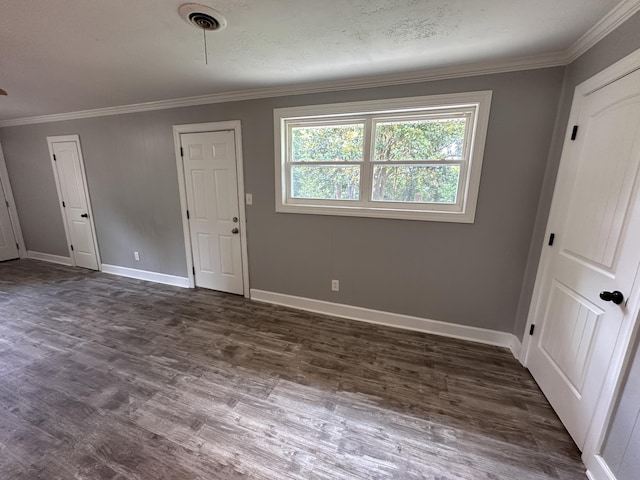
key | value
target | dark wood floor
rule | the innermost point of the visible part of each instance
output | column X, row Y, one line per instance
column 103, row 377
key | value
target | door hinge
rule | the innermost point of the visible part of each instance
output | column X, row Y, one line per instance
column 194, row 270
column 17, row 246
column 181, row 152
column 54, row 158
column 7, row 202
column 574, row 132
column 533, row 327
column 64, row 205
column 188, row 217
column 552, row 237
column 71, row 247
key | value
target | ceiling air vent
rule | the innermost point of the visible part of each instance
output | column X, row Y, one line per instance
column 202, row 17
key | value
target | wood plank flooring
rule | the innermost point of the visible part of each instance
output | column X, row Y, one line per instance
column 103, row 377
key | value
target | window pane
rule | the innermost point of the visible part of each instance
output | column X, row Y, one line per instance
column 329, row 143
column 325, row 182
column 420, row 140
column 416, row 183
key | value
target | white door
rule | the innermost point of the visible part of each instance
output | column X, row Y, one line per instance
column 74, row 199
column 212, row 200
column 595, row 217
column 8, row 244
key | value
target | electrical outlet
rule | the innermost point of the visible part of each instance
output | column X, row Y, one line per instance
column 249, row 199
column 335, row 285
column 136, row 255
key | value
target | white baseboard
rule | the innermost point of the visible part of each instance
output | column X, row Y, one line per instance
column 145, row 275
column 599, row 470
column 47, row 257
column 516, row 348
column 463, row 332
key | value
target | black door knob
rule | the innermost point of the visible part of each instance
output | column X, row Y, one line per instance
column 85, row 215
column 615, row 297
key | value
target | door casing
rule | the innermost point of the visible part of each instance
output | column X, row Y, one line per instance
column 236, row 127
column 76, row 139
column 622, row 352
column 13, row 212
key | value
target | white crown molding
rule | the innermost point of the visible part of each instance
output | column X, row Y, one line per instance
column 609, row 22
column 612, row 20
column 397, row 320
column 442, row 73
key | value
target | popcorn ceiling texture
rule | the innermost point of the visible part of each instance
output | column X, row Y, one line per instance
column 76, row 55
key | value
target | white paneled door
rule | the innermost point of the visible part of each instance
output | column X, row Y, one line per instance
column 590, row 268
column 8, row 244
column 72, row 189
column 211, row 183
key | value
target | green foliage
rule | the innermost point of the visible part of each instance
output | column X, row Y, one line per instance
column 419, row 140
column 334, row 143
column 326, row 182
column 411, row 141
column 416, row 183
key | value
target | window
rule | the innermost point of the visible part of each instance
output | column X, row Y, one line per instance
column 414, row 158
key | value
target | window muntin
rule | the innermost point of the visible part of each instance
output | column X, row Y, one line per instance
column 324, row 160
column 418, row 159
column 413, row 161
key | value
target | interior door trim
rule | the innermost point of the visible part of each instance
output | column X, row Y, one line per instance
column 236, row 127
column 621, row 355
column 13, row 212
column 76, row 139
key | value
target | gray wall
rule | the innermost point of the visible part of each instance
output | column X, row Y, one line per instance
column 615, row 46
column 35, row 196
column 621, row 449
column 468, row 274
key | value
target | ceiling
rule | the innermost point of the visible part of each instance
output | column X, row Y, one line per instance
column 71, row 55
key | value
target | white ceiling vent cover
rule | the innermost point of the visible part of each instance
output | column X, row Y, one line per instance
column 203, row 17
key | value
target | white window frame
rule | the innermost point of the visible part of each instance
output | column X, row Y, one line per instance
column 476, row 107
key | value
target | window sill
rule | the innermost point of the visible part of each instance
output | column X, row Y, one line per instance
column 405, row 214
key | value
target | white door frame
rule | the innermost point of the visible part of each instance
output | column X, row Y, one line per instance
column 596, row 466
column 73, row 138
column 236, row 127
column 13, row 212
